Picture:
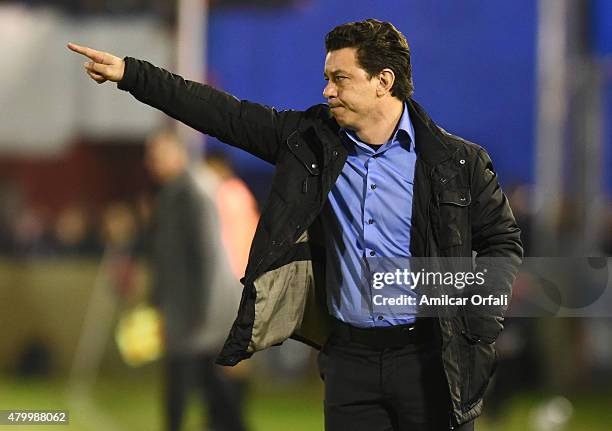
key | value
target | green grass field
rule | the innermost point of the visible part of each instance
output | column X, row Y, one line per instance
column 133, row 403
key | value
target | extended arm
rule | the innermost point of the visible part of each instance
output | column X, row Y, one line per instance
column 258, row 129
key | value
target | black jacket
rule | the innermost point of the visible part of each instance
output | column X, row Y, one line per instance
column 458, row 207
column 181, row 259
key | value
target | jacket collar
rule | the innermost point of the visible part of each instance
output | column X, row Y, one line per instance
column 430, row 143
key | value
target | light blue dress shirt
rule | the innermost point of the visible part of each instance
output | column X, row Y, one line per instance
column 367, row 218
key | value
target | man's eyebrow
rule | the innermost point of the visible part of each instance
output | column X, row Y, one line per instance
column 335, row 73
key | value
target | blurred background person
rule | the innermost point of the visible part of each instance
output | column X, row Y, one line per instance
column 237, row 208
column 183, row 264
column 238, row 218
column 73, row 234
column 32, row 232
column 119, row 235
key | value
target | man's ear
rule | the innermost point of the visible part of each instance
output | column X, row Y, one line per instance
column 386, row 78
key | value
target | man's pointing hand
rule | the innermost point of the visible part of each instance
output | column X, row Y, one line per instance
column 102, row 66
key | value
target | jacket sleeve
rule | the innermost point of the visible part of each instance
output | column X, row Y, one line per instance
column 258, row 129
column 497, row 243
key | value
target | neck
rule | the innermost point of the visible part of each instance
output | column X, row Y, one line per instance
column 382, row 123
column 171, row 175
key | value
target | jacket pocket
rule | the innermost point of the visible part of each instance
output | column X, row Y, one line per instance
column 479, row 359
column 302, row 151
column 453, row 206
column 483, row 328
column 459, row 198
column 298, row 171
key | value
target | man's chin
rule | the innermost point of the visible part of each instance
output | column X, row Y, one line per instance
column 338, row 117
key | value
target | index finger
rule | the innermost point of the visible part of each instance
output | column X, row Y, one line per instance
column 93, row 54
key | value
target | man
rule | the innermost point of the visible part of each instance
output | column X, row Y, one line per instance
column 368, row 175
column 186, row 256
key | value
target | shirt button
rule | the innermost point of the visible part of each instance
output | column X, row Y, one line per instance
column 373, row 186
column 380, row 318
column 372, row 253
column 371, row 221
column 335, row 153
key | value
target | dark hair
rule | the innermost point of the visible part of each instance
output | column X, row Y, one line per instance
column 379, row 45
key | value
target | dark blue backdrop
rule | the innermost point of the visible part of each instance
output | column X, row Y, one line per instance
column 602, row 44
column 473, row 62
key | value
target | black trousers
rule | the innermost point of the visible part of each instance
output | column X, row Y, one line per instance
column 391, row 389
column 222, row 396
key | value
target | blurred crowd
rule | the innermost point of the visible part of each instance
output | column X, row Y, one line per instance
column 567, row 225
column 30, row 229
column 78, row 229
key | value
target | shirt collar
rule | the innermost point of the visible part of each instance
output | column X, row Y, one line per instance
column 404, row 127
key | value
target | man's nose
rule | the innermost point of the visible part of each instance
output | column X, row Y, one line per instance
column 329, row 90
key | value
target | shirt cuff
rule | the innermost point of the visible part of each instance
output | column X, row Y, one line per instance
column 129, row 74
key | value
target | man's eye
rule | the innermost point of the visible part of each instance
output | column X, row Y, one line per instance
column 340, row 78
